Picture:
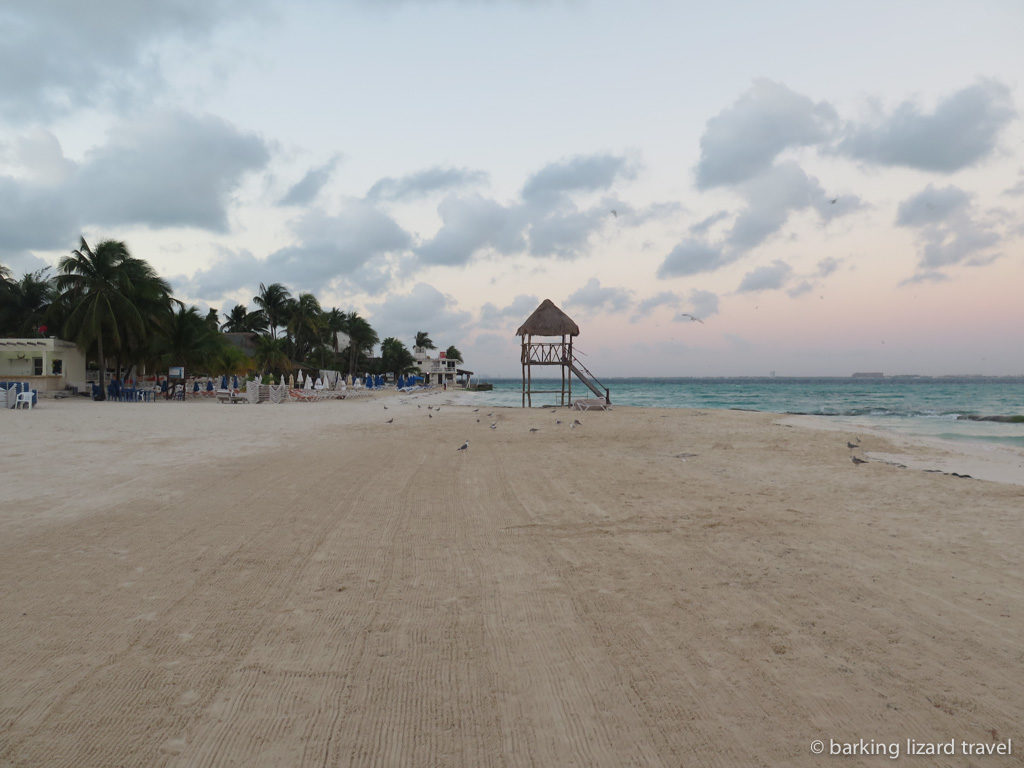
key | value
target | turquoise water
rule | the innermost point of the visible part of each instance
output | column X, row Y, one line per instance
column 919, row 405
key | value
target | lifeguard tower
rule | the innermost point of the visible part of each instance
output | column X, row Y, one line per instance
column 549, row 321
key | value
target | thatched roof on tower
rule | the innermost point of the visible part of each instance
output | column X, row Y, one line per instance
column 548, row 320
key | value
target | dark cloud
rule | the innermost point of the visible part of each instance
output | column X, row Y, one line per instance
column 692, row 257
column 424, row 183
column 583, row 173
column 766, row 278
column 593, row 296
column 168, row 170
column 59, row 55
column 963, row 129
column 35, row 217
column 744, row 139
column 308, row 187
column 513, row 314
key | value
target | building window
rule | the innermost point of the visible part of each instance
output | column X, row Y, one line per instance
column 37, row 366
column 57, row 368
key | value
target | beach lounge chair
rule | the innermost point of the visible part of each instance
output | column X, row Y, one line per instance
column 591, row 404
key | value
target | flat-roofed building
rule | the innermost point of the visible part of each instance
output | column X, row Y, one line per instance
column 48, row 365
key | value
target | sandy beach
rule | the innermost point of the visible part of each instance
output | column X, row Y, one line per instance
column 307, row 585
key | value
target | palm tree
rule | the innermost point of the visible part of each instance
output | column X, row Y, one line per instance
column 453, row 354
column 271, row 355
column 395, row 358
column 188, row 340
column 273, row 300
column 362, row 339
column 423, row 340
column 304, row 324
column 25, row 304
column 111, row 299
column 241, row 320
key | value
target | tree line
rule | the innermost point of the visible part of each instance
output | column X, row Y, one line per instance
column 122, row 313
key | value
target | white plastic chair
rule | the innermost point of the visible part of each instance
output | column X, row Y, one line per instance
column 24, row 398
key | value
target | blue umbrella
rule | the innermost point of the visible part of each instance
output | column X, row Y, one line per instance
column 224, row 381
column 195, row 387
column 209, row 386
column 234, row 382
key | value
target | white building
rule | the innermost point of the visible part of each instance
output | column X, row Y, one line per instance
column 48, row 365
column 437, row 370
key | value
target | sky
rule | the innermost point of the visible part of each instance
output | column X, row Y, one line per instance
column 830, row 188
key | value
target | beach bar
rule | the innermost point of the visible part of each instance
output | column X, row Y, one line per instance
column 47, row 364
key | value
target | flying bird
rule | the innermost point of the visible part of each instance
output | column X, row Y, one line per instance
column 693, row 318
column 615, row 213
column 463, row 447
column 833, row 201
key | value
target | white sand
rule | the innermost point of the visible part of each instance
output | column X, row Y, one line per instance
column 213, row 585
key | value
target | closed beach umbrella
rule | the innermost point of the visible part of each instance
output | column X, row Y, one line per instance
column 299, row 377
column 234, row 382
column 291, row 381
column 309, row 383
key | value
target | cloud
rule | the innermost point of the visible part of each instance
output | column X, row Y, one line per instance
column 61, row 55
column 773, row 195
column 701, row 227
column 963, row 129
column 564, row 235
column 423, row 308
column 744, row 139
column 664, row 298
column 827, row 266
column 40, row 156
column 308, row 187
column 931, row 205
column 593, row 296
column 470, row 224
column 950, row 231
column 766, row 278
column 351, row 245
column 512, row 314
column 703, row 304
column 423, row 183
column 692, row 257
column 583, row 173
column 171, row 169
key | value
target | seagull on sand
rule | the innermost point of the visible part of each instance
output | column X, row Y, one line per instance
column 693, row 318
column 385, row 407
column 855, row 460
column 577, row 423
column 463, row 447
column 558, row 421
column 534, row 429
column 390, row 420
column 851, row 446
column 494, row 425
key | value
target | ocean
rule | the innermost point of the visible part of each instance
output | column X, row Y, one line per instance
column 924, row 406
